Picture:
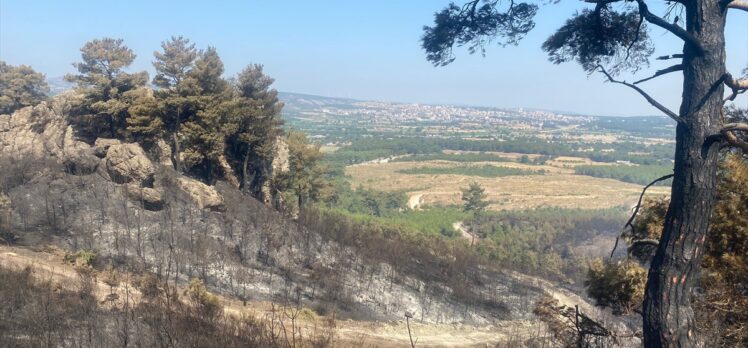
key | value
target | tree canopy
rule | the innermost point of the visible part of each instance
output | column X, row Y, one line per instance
column 20, row 86
column 213, row 127
column 108, row 91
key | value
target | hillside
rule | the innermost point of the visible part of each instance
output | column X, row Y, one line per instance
column 128, row 212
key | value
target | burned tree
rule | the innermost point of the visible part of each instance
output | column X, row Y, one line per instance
column 610, row 37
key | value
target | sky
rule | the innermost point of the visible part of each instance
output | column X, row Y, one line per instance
column 341, row 48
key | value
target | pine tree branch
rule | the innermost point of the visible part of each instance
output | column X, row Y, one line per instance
column 630, row 221
column 728, row 132
column 672, row 56
column 738, row 5
column 736, row 85
column 646, row 96
column 671, row 27
column 674, row 68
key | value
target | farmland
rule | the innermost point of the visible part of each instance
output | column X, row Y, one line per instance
column 557, row 186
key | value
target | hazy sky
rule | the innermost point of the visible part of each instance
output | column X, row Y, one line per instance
column 358, row 49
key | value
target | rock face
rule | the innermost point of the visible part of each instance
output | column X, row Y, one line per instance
column 34, row 132
column 206, row 197
column 78, row 157
column 127, row 163
column 102, row 145
column 163, row 153
column 278, row 166
column 151, row 198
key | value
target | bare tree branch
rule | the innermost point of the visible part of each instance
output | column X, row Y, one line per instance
column 674, row 68
column 671, row 27
column 672, row 56
column 736, row 126
column 640, row 242
column 630, row 221
column 738, row 4
column 646, row 96
column 728, row 132
column 736, row 85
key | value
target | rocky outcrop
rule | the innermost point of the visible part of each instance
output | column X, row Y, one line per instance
column 102, row 145
column 151, row 198
column 127, row 163
column 33, row 131
column 40, row 131
column 206, row 197
column 278, row 167
column 163, row 153
column 78, row 157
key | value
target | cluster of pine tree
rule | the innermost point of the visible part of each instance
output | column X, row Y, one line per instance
column 215, row 127
column 20, row 86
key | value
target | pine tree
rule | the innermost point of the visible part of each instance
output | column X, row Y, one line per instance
column 253, row 128
column 204, row 143
column 105, row 86
column 20, row 86
column 176, row 96
column 305, row 172
column 474, row 197
column 144, row 123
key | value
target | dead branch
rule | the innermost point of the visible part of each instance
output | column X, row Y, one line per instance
column 646, row 96
column 736, row 85
column 630, row 221
column 674, row 68
column 728, row 132
column 671, row 27
column 672, row 56
column 738, row 4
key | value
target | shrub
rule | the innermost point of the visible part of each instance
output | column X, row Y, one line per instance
column 619, row 285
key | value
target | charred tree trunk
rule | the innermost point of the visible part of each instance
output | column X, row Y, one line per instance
column 175, row 139
column 245, row 173
column 668, row 316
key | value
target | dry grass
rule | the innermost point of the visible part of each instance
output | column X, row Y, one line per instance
column 559, row 187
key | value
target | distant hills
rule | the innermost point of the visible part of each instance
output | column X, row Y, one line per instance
column 296, row 102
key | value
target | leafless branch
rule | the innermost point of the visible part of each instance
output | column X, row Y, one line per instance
column 728, row 132
column 630, row 221
column 671, row 27
column 738, row 4
column 641, row 242
column 674, row 68
column 672, row 56
column 646, row 96
column 736, row 85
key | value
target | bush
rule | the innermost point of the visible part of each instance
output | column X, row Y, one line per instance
column 618, row 285
column 80, row 258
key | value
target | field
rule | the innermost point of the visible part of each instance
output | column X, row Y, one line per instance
column 557, row 186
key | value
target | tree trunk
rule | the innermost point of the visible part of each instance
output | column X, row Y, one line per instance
column 228, row 172
column 175, row 139
column 668, row 316
column 245, row 173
